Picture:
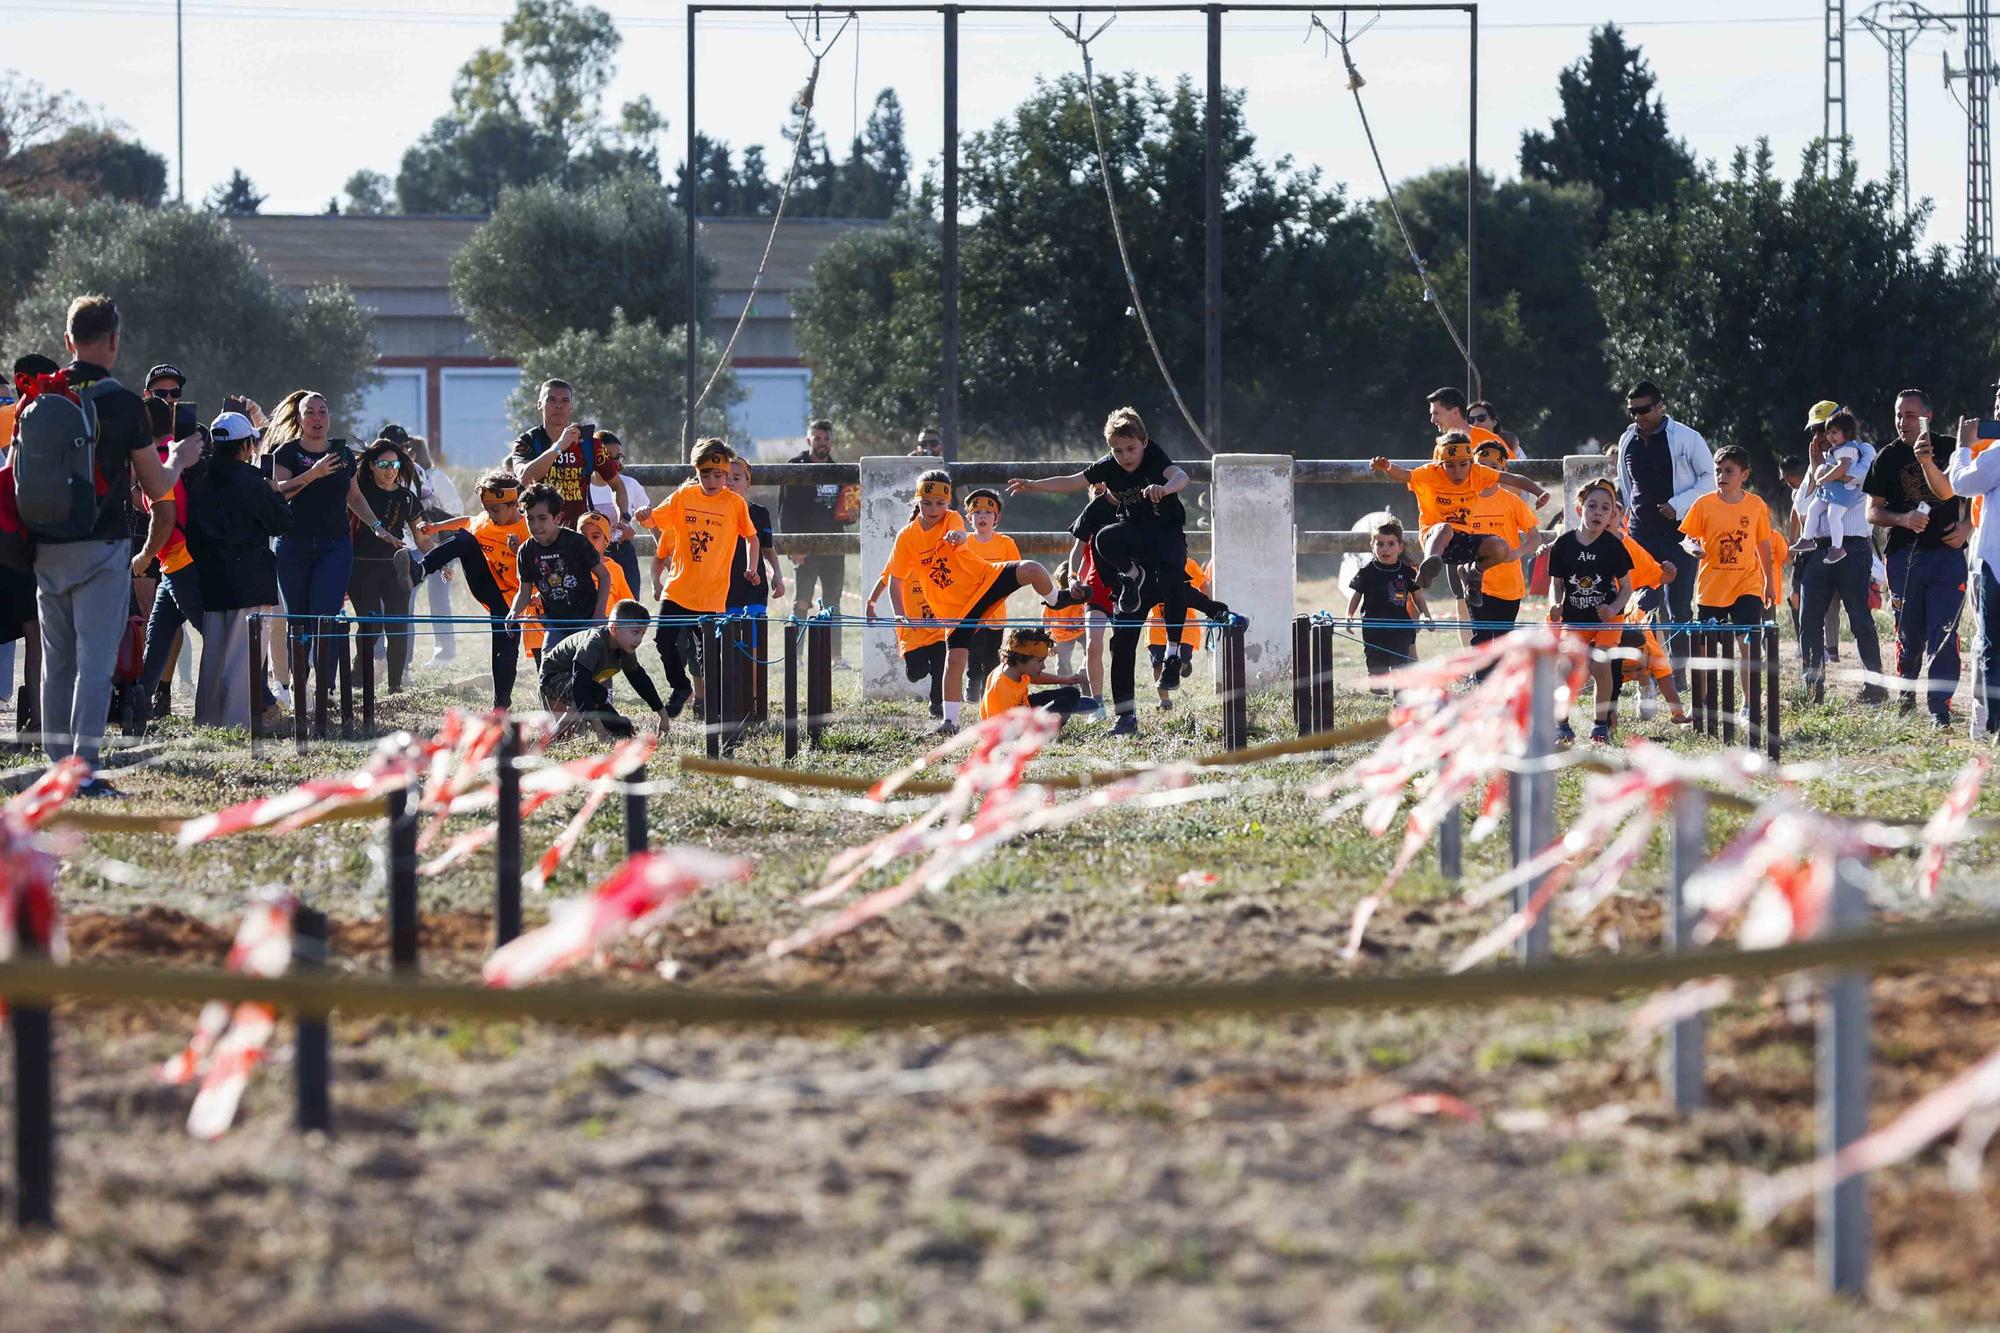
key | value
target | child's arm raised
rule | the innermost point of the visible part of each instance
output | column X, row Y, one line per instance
column 1383, row 466
column 1516, row 482
column 1063, row 485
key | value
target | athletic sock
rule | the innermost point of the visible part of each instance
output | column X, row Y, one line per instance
column 951, row 707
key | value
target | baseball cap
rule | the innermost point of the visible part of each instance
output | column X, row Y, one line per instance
column 166, row 371
column 231, row 427
column 1821, row 410
column 394, row 434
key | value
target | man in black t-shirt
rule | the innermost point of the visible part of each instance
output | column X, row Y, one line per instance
column 560, row 565
column 813, row 506
column 558, row 451
column 1909, row 495
column 83, row 586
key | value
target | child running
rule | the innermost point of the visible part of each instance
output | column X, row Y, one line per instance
column 1731, row 529
column 1839, row 488
column 982, row 512
column 1385, row 590
column 576, row 673
column 559, row 568
column 1590, row 582
column 1445, row 488
column 487, row 548
column 1499, row 511
column 920, row 645
column 956, row 583
column 1026, row 655
column 699, row 525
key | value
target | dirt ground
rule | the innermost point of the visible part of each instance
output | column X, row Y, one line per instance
column 1216, row 1173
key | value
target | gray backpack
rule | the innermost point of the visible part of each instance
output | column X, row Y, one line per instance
column 56, row 482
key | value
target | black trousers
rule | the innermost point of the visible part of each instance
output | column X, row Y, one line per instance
column 675, row 659
column 378, row 588
column 982, row 657
column 1848, row 580
column 928, row 661
column 462, row 548
column 1124, row 665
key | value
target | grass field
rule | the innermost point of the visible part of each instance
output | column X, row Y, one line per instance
column 1216, row 1173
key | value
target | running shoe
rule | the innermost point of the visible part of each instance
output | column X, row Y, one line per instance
column 1126, row 725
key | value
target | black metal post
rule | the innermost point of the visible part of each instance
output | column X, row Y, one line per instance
column 1302, row 674
column 692, row 430
column 368, row 694
column 344, row 667
column 1451, row 843
column 1771, row 744
column 760, row 671
column 322, row 678
column 301, row 680
column 947, row 241
column 507, row 842
column 1753, row 690
column 1212, row 240
column 402, row 837
column 313, row 1065
column 819, row 678
column 791, row 689
column 1729, row 647
column 635, row 811
column 1322, row 677
column 33, row 1029
column 713, row 676
column 1236, row 700
column 260, row 678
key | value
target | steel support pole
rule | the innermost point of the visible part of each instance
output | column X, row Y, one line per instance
column 1538, row 788
column 948, row 244
column 1843, row 1096
column 1473, row 388
column 1212, row 241
column 692, row 431
column 1683, row 1052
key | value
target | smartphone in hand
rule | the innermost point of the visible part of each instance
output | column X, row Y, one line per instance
column 187, row 419
column 233, row 403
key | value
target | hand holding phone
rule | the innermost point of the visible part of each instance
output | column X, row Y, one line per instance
column 234, row 403
column 187, row 419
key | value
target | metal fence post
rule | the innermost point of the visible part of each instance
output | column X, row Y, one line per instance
column 344, row 669
column 368, row 694
column 1538, row 788
column 1302, row 674
column 1322, row 682
column 1843, row 1095
column 635, row 811
column 791, row 689
column 322, row 684
column 33, row 1027
column 819, row 678
column 715, row 673
column 1451, row 843
column 507, row 841
column 1753, row 686
column 1236, row 690
column 1683, row 1052
column 301, row 680
column 1771, row 738
column 312, row 1066
column 402, row 846
column 1732, row 657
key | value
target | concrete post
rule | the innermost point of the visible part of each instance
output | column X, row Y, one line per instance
column 1254, row 569
column 888, row 485
column 1578, row 469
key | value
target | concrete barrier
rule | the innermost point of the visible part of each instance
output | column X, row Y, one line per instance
column 888, row 485
column 1254, row 569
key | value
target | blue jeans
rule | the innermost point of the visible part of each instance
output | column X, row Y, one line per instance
column 176, row 605
column 1933, row 594
column 1989, row 647
column 313, row 574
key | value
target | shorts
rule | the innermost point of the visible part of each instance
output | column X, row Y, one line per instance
column 1746, row 610
column 925, row 661
column 1463, row 548
column 1004, row 586
column 1496, row 609
column 1607, row 636
column 1387, row 650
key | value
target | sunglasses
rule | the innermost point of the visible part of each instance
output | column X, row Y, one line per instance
column 173, row 393
column 1479, row 420
column 1642, row 409
column 386, row 463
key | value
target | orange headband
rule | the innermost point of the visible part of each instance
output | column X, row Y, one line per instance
column 1035, row 648
column 1448, row 451
column 502, row 495
column 934, row 490
column 981, row 504
column 715, row 453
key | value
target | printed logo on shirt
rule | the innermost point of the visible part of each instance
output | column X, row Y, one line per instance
column 938, row 567
column 1729, row 548
column 1458, row 516
column 698, row 542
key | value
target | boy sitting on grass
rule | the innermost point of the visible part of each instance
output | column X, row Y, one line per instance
column 1445, row 489
column 1021, row 665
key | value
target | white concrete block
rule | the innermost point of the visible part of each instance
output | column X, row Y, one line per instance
column 888, row 486
column 1256, row 570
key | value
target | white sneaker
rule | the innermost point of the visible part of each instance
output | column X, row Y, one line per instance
column 1649, row 699
column 439, row 656
column 840, row 664
column 282, row 693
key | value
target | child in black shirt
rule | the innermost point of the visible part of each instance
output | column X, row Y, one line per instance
column 1386, row 589
column 576, row 673
column 1590, row 581
column 561, row 565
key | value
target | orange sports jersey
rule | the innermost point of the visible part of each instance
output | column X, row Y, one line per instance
column 1781, row 553
column 621, row 587
column 997, row 550
column 1503, row 514
column 502, row 546
column 909, row 638
column 1646, row 571
column 1002, row 693
column 953, row 577
column 699, row 533
column 1440, row 501
column 1191, row 633
column 1729, row 535
column 1064, row 625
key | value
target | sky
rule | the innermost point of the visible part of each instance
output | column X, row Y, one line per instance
column 300, row 94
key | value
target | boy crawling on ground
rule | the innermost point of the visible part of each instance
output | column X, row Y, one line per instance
column 1445, row 489
column 576, row 674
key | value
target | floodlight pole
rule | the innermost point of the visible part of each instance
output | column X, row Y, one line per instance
column 1473, row 388
column 691, row 430
column 1212, row 235
column 948, row 243
column 180, row 113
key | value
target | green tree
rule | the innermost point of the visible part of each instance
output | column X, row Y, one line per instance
column 368, row 194
column 628, row 379
column 189, row 291
column 869, row 325
column 235, row 197
column 52, row 146
column 530, row 110
column 1612, row 133
column 553, row 260
column 28, row 228
column 1750, row 301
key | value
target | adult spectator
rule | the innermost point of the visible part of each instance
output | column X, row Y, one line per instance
column 166, row 381
column 441, row 502
column 559, row 451
column 177, row 601
column 1846, row 579
column 1910, row 495
column 380, row 585
column 814, row 507
column 1663, row 468
column 233, row 513
column 1974, row 474
column 1792, row 470
column 1485, row 416
column 83, row 585
column 1448, row 408
column 17, row 574
column 930, row 444
column 317, row 476
column 618, row 497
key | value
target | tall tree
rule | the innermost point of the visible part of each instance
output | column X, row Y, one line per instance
column 627, row 379
column 530, row 110
column 235, row 197
column 368, row 194
column 552, row 260
column 51, row 146
column 1612, row 132
column 1750, row 301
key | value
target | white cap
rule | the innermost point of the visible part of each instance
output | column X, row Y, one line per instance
column 231, row 427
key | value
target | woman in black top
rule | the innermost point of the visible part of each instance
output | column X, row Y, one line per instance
column 316, row 477
column 380, row 583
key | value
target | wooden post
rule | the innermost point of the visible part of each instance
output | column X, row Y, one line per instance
column 819, row 678
column 1236, row 690
column 760, row 671
column 34, row 1043
column 1322, row 682
column 301, row 681
column 1451, row 843
column 792, row 633
column 344, row 668
column 1843, row 1095
column 1683, row 1051
column 507, row 843
column 715, row 673
column 313, row 1064
column 1753, row 690
column 1729, row 647
column 402, row 847
column 368, row 694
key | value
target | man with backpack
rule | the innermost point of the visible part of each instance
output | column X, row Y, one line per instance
column 81, row 441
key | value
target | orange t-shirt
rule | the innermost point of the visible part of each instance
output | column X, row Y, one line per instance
column 1781, row 551
column 502, row 546
column 621, row 587
column 699, row 532
column 1002, row 693
column 953, row 577
column 1503, row 514
column 1440, row 500
column 1000, row 549
column 1646, row 571
column 1729, row 535
column 1064, row 625
column 909, row 638
column 1191, row 632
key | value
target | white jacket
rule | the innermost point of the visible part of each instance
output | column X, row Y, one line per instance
column 1694, row 465
column 1979, row 475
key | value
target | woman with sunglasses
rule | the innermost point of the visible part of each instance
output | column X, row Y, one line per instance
column 316, row 475
column 380, row 583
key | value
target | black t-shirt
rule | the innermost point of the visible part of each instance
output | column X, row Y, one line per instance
column 742, row 592
column 1122, row 488
column 1897, row 479
column 1589, row 574
column 571, row 472
column 121, row 432
column 1651, row 459
column 1385, row 589
column 1099, row 514
column 561, row 573
column 318, row 509
column 393, row 509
